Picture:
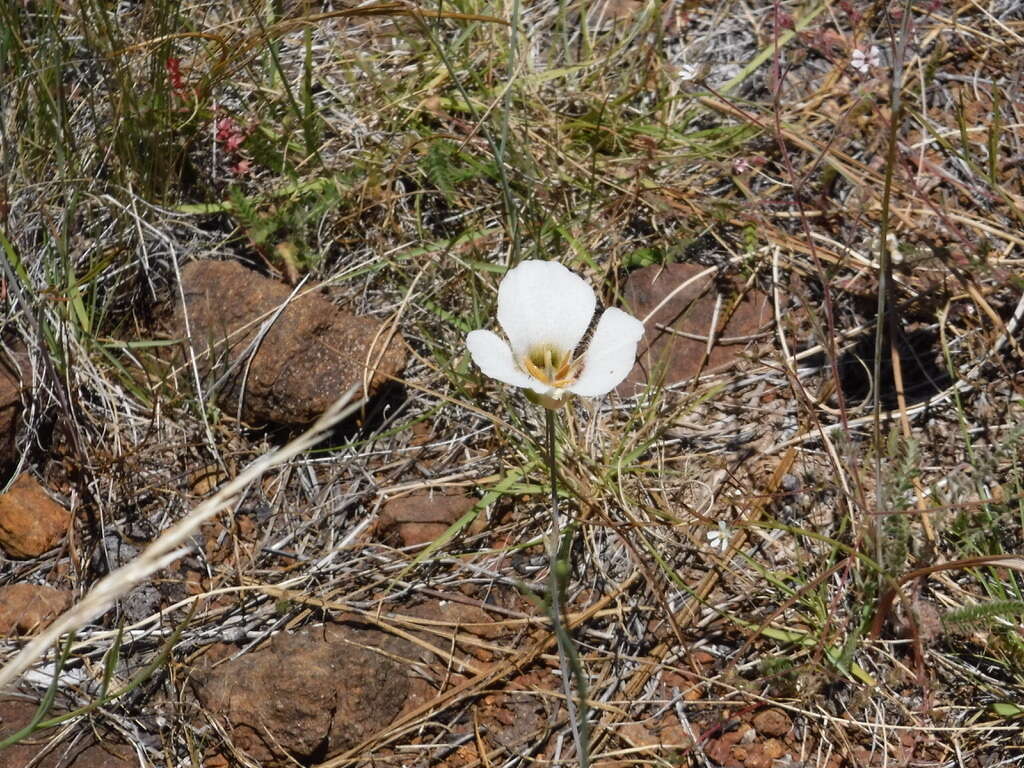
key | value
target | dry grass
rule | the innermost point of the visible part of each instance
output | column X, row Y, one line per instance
column 405, row 158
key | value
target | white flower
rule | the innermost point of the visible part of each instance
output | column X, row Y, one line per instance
column 863, row 62
column 719, row 537
column 544, row 310
column 687, row 72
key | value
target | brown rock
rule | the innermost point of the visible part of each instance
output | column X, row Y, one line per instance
column 674, row 736
column 605, row 14
column 422, row 518
column 205, row 480
column 636, row 735
column 30, row 521
column 668, row 357
column 25, row 608
column 703, row 658
column 418, row 534
column 862, row 757
column 473, row 619
column 15, row 384
column 463, row 617
column 79, row 749
column 721, row 750
column 772, row 722
column 458, row 627
column 774, row 748
column 311, row 693
column 313, row 352
column 516, row 717
column 760, row 754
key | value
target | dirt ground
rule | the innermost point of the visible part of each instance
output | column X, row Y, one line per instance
column 794, row 531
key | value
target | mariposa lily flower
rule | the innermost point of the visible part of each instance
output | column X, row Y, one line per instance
column 544, row 310
column 720, row 537
column 864, row 61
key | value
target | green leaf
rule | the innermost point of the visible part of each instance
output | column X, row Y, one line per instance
column 1007, row 709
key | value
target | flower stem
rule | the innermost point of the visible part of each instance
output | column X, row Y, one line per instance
column 568, row 659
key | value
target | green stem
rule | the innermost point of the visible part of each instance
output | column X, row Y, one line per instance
column 886, row 313
column 568, row 659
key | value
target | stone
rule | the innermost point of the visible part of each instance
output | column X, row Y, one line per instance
column 449, row 624
column 760, row 755
column 78, row 749
column 30, row 521
column 670, row 357
column 312, row 353
column 673, row 735
column 721, row 750
column 471, row 619
column 25, row 608
column 605, row 14
column 465, row 617
column 15, row 385
column 514, row 717
column 423, row 517
column 772, row 722
column 637, row 736
column 773, row 748
column 309, row 694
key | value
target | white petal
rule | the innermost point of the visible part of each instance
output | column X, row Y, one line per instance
column 494, row 357
column 541, row 303
column 687, row 72
column 611, row 354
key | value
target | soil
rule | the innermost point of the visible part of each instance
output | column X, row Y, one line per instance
column 780, row 531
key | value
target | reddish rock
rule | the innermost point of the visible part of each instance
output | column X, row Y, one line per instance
column 637, row 735
column 15, row 384
column 457, row 627
column 721, row 750
column 313, row 352
column 309, row 694
column 463, row 617
column 24, row 608
column 673, row 735
column 772, row 722
column 703, row 658
column 511, row 717
column 30, row 521
column 79, row 748
column 472, row 619
column 422, row 518
column 606, row 14
column 862, row 757
column 774, row 748
column 761, row 754
column 668, row 357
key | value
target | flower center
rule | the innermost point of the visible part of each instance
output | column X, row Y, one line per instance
column 550, row 366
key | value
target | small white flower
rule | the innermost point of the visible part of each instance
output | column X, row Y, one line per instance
column 544, row 310
column 688, row 72
column 863, row 61
column 719, row 538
